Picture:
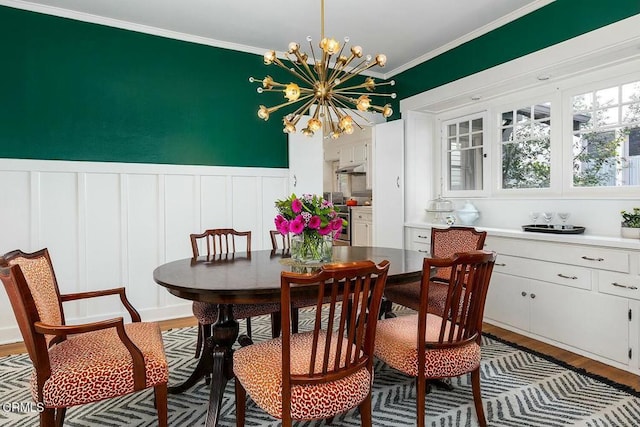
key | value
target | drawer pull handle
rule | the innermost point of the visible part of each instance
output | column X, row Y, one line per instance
column 567, row 277
column 524, row 294
column 533, row 296
column 633, row 288
column 422, row 250
column 592, row 259
column 500, row 264
column 420, row 236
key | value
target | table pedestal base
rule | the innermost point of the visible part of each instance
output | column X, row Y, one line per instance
column 216, row 360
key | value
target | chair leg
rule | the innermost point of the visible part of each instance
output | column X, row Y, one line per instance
column 60, row 413
column 160, row 394
column 249, row 327
column 276, row 318
column 421, row 393
column 199, row 341
column 365, row 411
column 241, row 403
column 477, row 397
column 295, row 318
column 48, row 417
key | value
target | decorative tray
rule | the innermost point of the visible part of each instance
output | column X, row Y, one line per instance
column 543, row 228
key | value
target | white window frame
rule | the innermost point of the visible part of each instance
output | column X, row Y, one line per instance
column 486, row 158
column 555, row 179
column 592, row 84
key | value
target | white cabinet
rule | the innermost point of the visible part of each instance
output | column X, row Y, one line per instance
column 305, row 163
column 561, row 294
column 361, row 226
column 368, row 165
column 388, row 184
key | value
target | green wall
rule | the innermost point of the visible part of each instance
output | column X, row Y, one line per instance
column 549, row 25
column 77, row 91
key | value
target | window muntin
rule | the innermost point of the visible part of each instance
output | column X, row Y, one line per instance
column 464, row 146
column 606, row 136
column 525, row 135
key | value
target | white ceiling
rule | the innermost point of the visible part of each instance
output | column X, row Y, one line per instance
column 408, row 32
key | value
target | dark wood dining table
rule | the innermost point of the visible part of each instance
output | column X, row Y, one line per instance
column 251, row 278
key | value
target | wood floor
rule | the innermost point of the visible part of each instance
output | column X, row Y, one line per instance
column 589, row 365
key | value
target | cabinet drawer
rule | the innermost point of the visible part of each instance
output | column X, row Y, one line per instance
column 579, row 255
column 423, row 248
column 624, row 285
column 562, row 274
column 362, row 216
column 421, row 235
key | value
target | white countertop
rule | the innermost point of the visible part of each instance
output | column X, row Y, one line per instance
column 580, row 239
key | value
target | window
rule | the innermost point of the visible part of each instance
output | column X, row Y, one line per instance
column 526, row 146
column 606, row 136
column 464, row 146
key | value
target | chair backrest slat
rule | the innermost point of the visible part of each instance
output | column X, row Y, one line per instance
column 470, row 274
column 349, row 297
column 219, row 242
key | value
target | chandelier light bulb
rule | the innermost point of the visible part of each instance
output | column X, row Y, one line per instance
column 292, row 92
column 263, row 113
column 363, row 103
column 269, row 57
column 314, row 124
column 381, row 59
column 293, row 47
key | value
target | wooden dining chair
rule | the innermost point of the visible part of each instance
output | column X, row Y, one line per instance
column 81, row 363
column 285, row 241
column 327, row 370
column 221, row 243
column 444, row 243
column 430, row 346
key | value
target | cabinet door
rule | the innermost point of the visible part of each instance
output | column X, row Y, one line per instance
column 593, row 322
column 346, row 155
column 305, row 163
column 361, row 231
column 508, row 301
column 368, row 166
column 388, row 184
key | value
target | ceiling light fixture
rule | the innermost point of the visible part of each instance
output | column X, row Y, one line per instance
column 323, row 84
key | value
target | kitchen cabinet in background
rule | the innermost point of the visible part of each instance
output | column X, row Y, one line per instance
column 305, row 164
column 361, row 226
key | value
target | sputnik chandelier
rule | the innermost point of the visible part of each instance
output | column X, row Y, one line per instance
column 323, row 84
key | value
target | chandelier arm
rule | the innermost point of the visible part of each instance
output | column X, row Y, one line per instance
column 302, row 109
column 352, row 111
column 342, row 92
column 355, row 71
column 364, row 85
column 284, row 67
column 305, row 73
column 339, row 66
column 277, row 107
column 346, row 99
column 328, row 115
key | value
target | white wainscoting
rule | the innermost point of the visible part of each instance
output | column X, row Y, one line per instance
column 112, row 224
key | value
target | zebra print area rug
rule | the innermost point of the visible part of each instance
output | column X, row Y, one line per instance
column 519, row 388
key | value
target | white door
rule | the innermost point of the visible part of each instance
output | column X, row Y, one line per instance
column 388, row 184
column 305, row 162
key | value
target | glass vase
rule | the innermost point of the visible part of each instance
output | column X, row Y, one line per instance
column 311, row 247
